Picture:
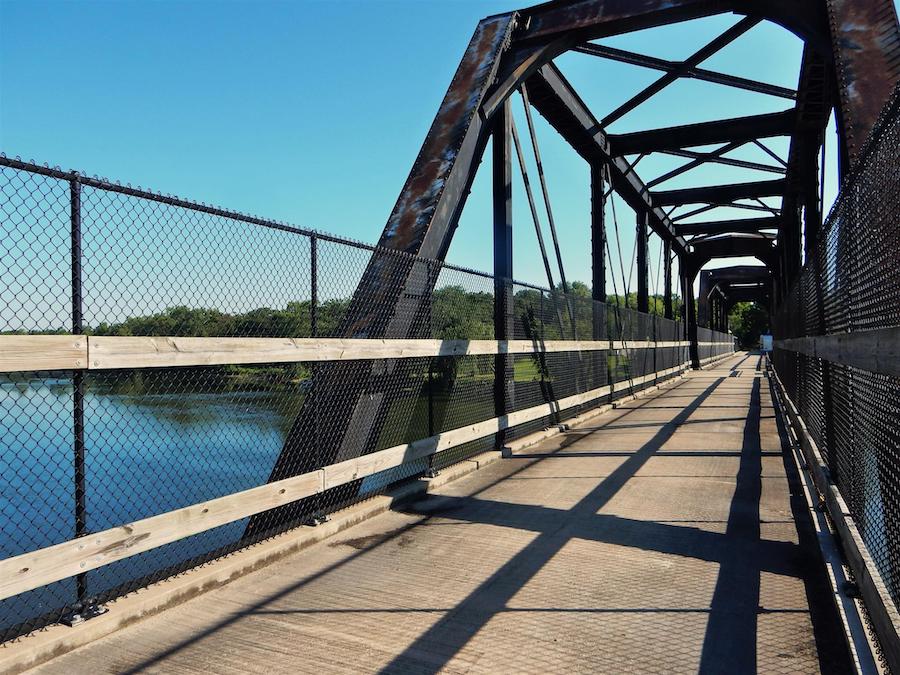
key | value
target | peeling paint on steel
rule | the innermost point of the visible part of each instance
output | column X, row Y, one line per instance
column 419, row 199
column 866, row 43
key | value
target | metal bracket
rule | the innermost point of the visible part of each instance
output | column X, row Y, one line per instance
column 317, row 519
column 85, row 612
column 850, row 589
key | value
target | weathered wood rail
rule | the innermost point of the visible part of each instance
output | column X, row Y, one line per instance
column 26, row 353
column 29, row 353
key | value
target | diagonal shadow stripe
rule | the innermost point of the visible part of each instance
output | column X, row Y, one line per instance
column 775, row 557
column 446, row 637
column 731, row 631
column 209, row 630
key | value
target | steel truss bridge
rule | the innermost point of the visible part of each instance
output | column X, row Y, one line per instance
column 191, row 392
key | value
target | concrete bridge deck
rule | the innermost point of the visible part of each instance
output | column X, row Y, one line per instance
column 668, row 535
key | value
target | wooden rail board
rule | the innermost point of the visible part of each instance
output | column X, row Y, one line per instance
column 26, row 353
column 69, row 352
column 44, row 566
column 877, row 351
column 47, row 565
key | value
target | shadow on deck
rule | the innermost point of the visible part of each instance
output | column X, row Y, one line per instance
column 667, row 535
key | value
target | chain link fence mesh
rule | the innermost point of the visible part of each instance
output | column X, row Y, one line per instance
column 87, row 256
column 851, row 283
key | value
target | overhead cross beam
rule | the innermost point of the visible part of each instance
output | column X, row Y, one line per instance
column 702, row 158
column 725, row 205
column 725, row 226
column 694, row 59
column 553, row 97
column 715, row 158
column 718, row 194
column 739, row 245
column 693, row 72
column 704, row 133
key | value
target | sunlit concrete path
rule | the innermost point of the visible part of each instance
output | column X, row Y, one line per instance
column 668, row 535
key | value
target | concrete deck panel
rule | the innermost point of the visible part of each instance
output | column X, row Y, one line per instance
column 668, row 535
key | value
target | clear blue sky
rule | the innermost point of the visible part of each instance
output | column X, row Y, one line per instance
column 312, row 112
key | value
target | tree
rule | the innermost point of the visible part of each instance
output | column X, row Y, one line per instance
column 748, row 321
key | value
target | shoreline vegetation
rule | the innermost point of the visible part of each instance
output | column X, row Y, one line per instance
column 455, row 314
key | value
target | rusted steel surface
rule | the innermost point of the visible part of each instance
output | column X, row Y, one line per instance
column 610, row 16
column 590, row 19
column 866, row 45
column 418, row 201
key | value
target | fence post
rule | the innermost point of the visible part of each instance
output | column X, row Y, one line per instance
column 504, row 371
column 78, row 377
column 318, row 515
column 654, row 320
column 314, row 286
column 433, row 273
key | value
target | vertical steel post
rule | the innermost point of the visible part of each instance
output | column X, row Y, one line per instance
column 78, row 378
column 315, row 375
column 598, row 248
column 643, row 291
column 724, row 316
column 314, row 286
column 431, row 430
column 543, row 325
column 667, row 270
column 690, row 314
column 598, row 269
column 504, row 391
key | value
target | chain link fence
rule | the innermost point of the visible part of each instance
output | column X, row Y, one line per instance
column 850, row 287
column 87, row 450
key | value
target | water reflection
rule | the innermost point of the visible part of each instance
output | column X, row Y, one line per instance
column 155, row 441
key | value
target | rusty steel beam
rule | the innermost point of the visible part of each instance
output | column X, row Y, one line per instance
column 725, row 226
column 622, row 56
column 594, row 19
column 704, row 133
column 865, row 40
column 715, row 45
column 815, row 90
column 718, row 194
column 553, row 97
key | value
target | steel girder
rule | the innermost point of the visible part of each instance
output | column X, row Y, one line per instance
column 759, row 246
column 857, row 38
column 704, row 133
column 553, row 96
column 725, row 226
column 718, row 194
column 631, row 58
column 739, row 283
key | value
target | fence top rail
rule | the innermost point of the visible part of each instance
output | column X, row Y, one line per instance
column 46, row 565
column 33, row 353
column 17, row 163
column 172, row 200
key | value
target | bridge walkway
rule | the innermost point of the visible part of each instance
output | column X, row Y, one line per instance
column 667, row 535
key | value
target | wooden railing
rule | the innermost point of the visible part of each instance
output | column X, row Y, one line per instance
column 19, row 353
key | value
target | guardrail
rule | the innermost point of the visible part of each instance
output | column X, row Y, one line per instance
column 169, row 390
column 837, row 356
